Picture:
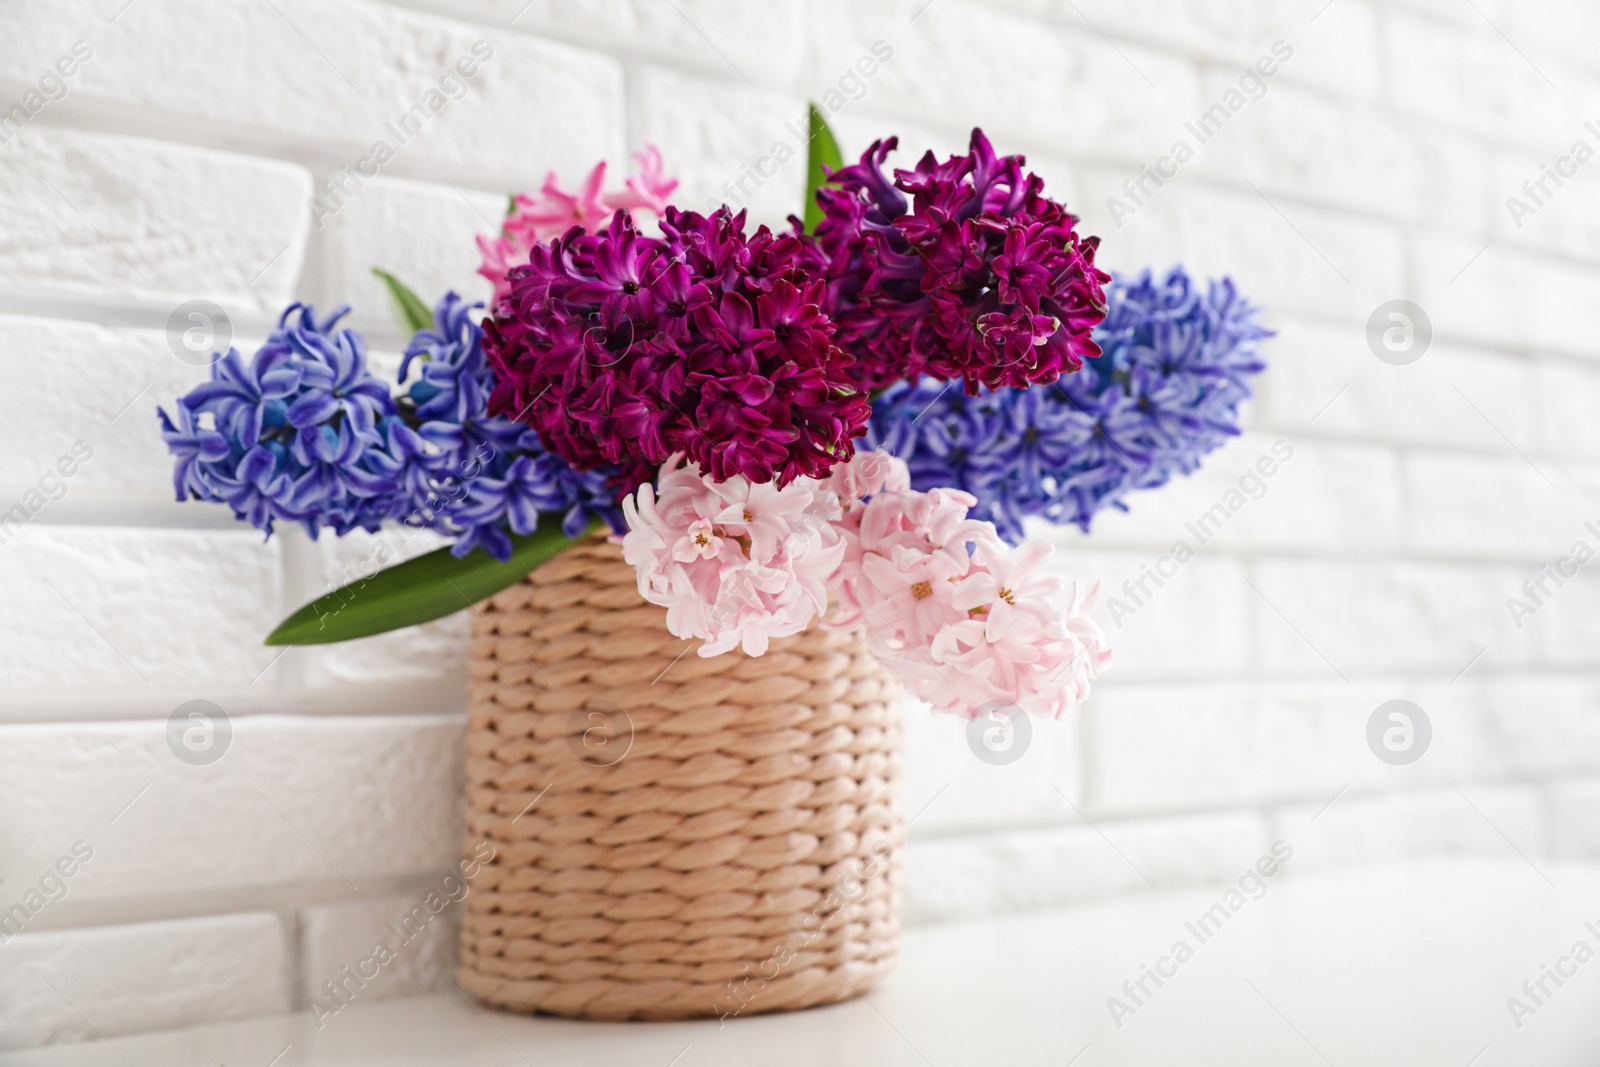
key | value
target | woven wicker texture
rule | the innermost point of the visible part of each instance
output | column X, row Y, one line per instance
column 673, row 836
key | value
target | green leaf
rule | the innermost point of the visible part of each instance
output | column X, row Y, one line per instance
column 821, row 150
column 419, row 590
column 414, row 314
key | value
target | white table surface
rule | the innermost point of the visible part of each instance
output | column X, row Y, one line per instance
column 1408, row 965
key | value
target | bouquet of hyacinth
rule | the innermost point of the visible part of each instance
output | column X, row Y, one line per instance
column 842, row 424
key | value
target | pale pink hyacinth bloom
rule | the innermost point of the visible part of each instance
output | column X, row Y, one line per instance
column 534, row 220
column 910, row 598
column 899, row 524
column 648, row 190
column 1026, row 647
column 867, row 473
column 864, row 475
column 967, row 621
column 1006, row 590
column 734, row 564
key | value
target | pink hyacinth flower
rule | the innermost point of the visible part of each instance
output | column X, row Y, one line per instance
column 911, row 599
column 1006, row 588
column 536, row 219
column 735, row 564
column 648, row 190
column 968, row 622
column 556, row 210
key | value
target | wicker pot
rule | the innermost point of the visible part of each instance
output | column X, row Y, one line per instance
column 672, row 836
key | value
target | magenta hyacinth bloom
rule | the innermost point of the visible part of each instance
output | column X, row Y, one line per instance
column 979, row 277
column 626, row 349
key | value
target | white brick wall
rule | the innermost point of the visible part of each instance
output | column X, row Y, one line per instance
column 1376, row 566
column 379, row 228
column 125, row 221
column 76, row 985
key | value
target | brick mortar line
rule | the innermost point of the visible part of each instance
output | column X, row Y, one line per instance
column 1253, row 553
column 167, row 128
column 1406, row 229
column 178, row 905
column 1531, row 354
column 598, row 44
column 717, row 73
column 1267, row 809
column 378, row 705
column 292, row 900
